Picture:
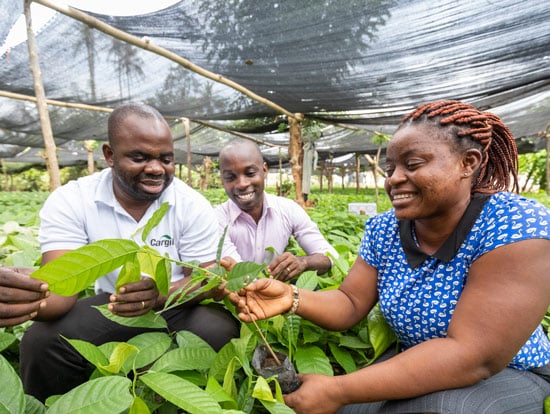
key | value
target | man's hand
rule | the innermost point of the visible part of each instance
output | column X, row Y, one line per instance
column 286, row 266
column 20, row 296
column 134, row 299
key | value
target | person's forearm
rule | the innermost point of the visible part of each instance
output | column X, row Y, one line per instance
column 434, row 365
column 328, row 309
column 318, row 262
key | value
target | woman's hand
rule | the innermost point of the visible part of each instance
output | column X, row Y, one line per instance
column 134, row 299
column 20, row 296
column 262, row 299
column 318, row 394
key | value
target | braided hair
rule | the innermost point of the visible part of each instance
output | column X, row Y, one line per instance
column 477, row 129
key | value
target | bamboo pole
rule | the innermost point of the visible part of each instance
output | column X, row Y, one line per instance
column 147, row 45
column 50, row 155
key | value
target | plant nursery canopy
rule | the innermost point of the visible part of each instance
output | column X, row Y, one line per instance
column 356, row 67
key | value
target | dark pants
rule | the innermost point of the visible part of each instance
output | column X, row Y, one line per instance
column 50, row 365
column 509, row 392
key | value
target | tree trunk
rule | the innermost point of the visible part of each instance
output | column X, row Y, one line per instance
column 50, row 154
column 296, row 154
column 188, row 141
column 357, row 173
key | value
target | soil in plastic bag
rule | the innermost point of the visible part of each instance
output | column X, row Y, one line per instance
column 265, row 365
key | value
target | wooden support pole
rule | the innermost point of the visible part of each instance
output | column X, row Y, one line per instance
column 50, row 154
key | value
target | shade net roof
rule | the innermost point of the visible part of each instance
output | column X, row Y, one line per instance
column 358, row 66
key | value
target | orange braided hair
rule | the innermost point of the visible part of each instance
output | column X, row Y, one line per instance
column 499, row 166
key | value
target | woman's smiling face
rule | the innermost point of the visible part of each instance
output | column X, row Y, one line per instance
column 425, row 173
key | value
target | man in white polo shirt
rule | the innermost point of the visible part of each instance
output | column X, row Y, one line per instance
column 257, row 221
column 115, row 203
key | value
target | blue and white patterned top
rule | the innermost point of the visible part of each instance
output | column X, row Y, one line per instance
column 418, row 298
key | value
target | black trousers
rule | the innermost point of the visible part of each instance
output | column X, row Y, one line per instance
column 49, row 365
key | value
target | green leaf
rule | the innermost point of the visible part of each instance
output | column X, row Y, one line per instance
column 220, row 245
column 187, row 339
column 154, row 220
column 101, row 395
column 343, row 357
column 6, row 339
column 181, row 359
column 91, row 352
column 181, row 393
column 156, row 266
column 312, row 359
column 148, row 320
column 33, row 406
column 139, row 407
column 242, row 274
column 308, row 280
column 262, row 391
column 76, row 270
column 130, row 272
column 216, row 391
column 151, row 346
column 381, row 335
column 120, row 355
column 12, row 397
column 229, row 384
column 277, row 407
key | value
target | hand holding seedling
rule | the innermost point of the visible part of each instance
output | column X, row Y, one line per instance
column 262, row 299
column 134, row 299
column 20, row 296
column 318, row 394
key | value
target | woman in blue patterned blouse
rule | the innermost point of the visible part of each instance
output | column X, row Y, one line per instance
column 461, row 269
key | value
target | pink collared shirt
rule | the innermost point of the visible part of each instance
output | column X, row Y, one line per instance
column 281, row 218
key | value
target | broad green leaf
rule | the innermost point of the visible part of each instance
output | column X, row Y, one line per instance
column 354, row 342
column 181, row 393
column 216, row 391
column 150, row 345
column 129, row 273
column 12, row 396
column 181, row 359
column 187, row 339
column 6, row 339
column 221, row 361
column 312, row 359
column 148, row 320
column 277, row 407
column 262, row 391
column 308, row 280
column 547, row 405
column 154, row 220
column 229, row 384
column 343, row 357
column 91, row 352
column 101, row 395
column 156, row 266
column 76, row 270
column 381, row 335
column 139, row 407
column 121, row 353
column 33, row 406
column 242, row 274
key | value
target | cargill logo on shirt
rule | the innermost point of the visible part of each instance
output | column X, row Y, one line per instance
column 164, row 241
